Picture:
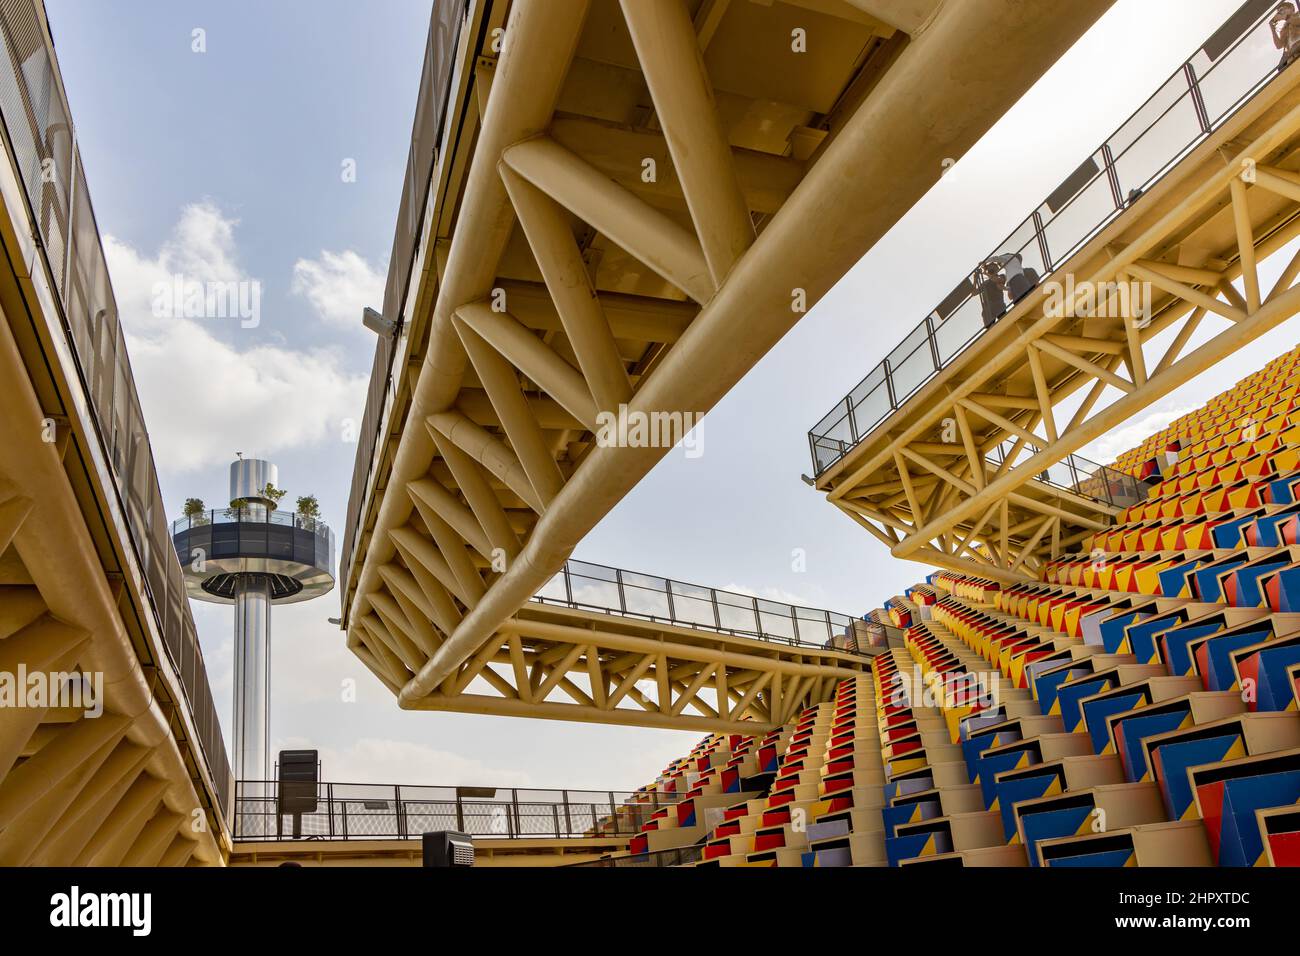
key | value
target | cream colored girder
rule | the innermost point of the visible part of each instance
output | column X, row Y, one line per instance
column 572, row 283
column 618, row 670
column 76, row 789
column 1193, row 234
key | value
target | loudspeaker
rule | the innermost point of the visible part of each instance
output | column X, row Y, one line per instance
column 298, row 781
column 448, row 848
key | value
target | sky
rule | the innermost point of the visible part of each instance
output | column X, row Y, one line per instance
column 265, row 143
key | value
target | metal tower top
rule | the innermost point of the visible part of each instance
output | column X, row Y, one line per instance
column 295, row 552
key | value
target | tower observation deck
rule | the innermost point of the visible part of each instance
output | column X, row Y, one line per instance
column 253, row 556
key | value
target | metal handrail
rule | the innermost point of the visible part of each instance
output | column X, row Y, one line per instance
column 285, row 519
column 440, row 58
column 48, row 163
column 347, row 811
column 1079, row 476
column 1050, row 235
column 597, row 587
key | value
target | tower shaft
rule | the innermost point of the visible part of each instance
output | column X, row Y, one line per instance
column 252, row 677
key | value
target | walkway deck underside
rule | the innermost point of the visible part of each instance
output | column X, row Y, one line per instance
column 93, row 769
column 655, row 193
column 564, row 663
column 1082, row 354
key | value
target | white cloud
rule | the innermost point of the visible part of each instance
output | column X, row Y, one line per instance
column 339, row 285
column 204, row 398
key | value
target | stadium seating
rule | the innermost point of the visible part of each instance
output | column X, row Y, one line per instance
column 1136, row 706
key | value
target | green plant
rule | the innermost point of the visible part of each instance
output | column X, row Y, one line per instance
column 308, row 506
column 194, row 507
column 272, row 493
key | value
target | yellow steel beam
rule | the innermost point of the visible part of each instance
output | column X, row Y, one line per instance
column 1143, row 245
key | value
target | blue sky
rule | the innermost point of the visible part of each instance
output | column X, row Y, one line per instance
column 228, row 163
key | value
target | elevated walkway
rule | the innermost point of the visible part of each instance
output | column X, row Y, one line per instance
column 1154, row 239
column 118, row 760
column 628, row 648
column 539, row 851
column 379, row 825
column 617, row 223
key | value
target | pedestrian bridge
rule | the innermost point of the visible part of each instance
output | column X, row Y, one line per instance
column 960, row 448
column 91, row 593
column 618, row 209
column 611, row 646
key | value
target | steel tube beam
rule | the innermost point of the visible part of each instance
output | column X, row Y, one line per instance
column 55, row 546
column 711, row 356
column 448, row 507
column 542, row 37
column 531, row 356
column 650, row 235
column 551, row 710
column 546, row 226
column 541, row 479
column 489, row 452
column 673, row 64
column 483, row 502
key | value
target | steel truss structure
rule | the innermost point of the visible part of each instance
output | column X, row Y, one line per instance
column 651, row 201
column 1046, row 380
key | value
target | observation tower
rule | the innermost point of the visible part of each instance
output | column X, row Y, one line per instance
column 253, row 556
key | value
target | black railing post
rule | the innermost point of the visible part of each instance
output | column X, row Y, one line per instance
column 622, row 598
column 1112, row 174
column 329, row 807
column 1198, row 101
column 516, row 827
column 1040, row 233
column 460, row 813
column 400, row 812
column 568, row 820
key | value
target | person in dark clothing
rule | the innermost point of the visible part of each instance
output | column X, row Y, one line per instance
column 1285, row 27
column 1020, row 281
column 1002, row 278
column 989, row 284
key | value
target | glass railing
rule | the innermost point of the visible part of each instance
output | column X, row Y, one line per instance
column 360, row 811
column 596, row 587
column 1231, row 67
column 49, row 167
column 1078, row 475
column 283, row 519
column 447, row 19
column 255, row 532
